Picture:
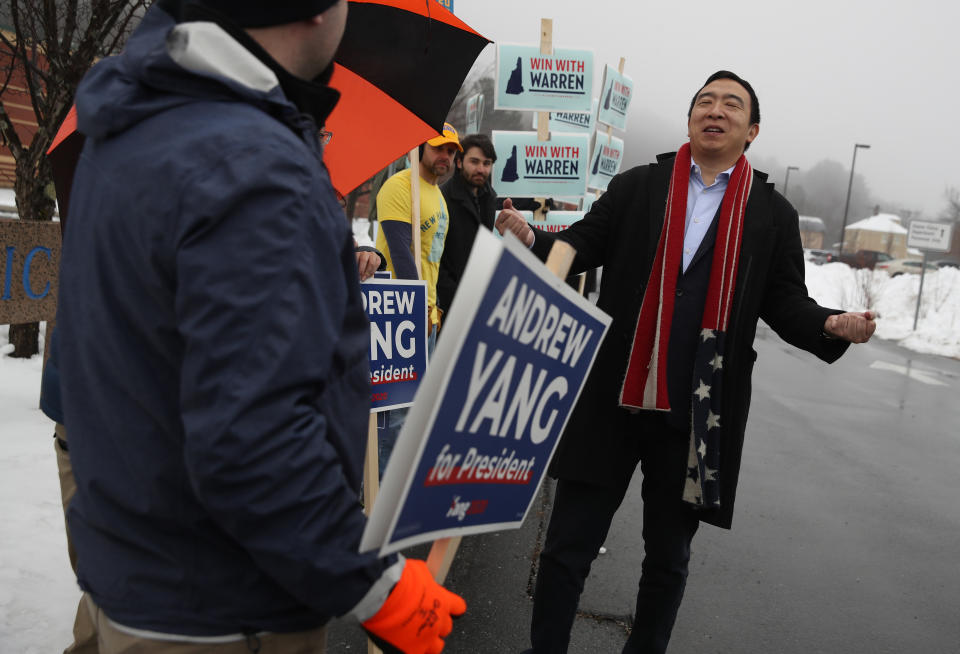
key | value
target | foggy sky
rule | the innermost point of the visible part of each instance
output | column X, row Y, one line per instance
column 828, row 74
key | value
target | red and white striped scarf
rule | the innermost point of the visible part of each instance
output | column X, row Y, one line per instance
column 645, row 383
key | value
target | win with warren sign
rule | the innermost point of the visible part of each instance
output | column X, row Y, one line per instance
column 507, row 371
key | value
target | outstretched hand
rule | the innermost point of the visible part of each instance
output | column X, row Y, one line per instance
column 510, row 220
column 851, row 326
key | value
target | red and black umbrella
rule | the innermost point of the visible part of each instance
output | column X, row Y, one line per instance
column 63, row 155
column 399, row 68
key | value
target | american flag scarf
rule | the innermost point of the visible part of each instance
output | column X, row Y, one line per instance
column 645, row 383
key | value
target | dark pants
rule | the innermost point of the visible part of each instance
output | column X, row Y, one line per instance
column 581, row 518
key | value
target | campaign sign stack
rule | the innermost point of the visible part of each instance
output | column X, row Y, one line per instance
column 397, row 309
column 571, row 121
column 617, row 92
column 607, row 157
column 507, row 371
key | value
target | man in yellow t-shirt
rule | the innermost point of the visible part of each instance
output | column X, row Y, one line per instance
column 395, row 238
column 394, row 211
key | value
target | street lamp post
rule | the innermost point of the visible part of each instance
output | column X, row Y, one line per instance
column 786, row 182
column 846, row 208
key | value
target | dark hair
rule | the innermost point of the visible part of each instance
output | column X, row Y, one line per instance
column 481, row 141
column 726, row 74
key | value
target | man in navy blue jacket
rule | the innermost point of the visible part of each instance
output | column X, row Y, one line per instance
column 214, row 364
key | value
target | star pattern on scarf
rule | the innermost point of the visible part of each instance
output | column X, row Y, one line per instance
column 706, row 334
column 710, row 474
column 703, row 391
column 717, row 362
column 691, row 492
column 713, row 420
column 702, row 449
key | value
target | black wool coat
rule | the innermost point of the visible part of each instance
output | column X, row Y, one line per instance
column 621, row 233
column 465, row 219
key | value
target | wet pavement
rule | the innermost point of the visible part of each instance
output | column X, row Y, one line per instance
column 846, row 538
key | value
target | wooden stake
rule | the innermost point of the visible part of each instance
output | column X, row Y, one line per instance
column 560, row 258
column 443, row 550
column 543, row 117
column 371, row 467
column 441, row 557
column 371, row 487
column 415, row 208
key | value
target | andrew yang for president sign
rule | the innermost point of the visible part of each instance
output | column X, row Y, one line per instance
column 397, row 309
column 507, row 371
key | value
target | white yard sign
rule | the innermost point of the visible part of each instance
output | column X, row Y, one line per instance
column 934, row 237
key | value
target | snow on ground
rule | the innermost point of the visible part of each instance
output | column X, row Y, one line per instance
column 38, row 595
column 895, row 299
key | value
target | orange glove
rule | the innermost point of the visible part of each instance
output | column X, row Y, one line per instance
column 418, row 613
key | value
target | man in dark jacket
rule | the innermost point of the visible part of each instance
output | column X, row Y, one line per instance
column 696, row 249
column 214, row 369
column 471, row 203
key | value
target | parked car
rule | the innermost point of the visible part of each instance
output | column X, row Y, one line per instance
column 861, row 258
column 816, row 256
column 896, row 267
column 946, row 263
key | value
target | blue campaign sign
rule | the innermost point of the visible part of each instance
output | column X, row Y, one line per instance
column 397, row 309
column 530, row 168
column 615, row 94
column 607, row 156
column 446, row 4
column 507, row 371
column 528, row 80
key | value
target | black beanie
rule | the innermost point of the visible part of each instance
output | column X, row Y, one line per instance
column 257, row 13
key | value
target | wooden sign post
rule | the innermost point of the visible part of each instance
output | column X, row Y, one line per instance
column 444, row 550
column 371, row 463
column 543, row 117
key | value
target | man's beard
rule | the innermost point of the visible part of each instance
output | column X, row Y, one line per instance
column 472, row 180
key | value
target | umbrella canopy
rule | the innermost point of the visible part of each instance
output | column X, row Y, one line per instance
column 399, row 68
column 63, row 154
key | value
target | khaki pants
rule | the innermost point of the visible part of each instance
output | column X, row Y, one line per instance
column 84, row 631
column 114, row 641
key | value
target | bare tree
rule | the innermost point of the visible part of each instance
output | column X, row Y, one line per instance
column 491, row 119
column 52, row 45
column 952, row 211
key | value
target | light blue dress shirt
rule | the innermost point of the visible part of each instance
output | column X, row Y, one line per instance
column 702, row 204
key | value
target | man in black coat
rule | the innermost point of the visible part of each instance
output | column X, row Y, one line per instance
column 628, row 231
column 471, row 203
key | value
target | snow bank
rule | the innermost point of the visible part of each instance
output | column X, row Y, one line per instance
column 895, row 299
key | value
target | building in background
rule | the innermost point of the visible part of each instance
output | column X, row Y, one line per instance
column 812, row 230
column 16, row 100
column 882, row 232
